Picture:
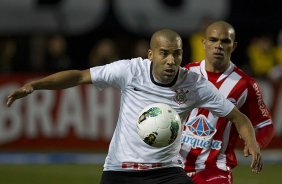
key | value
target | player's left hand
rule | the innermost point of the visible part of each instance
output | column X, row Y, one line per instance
column 257, row 161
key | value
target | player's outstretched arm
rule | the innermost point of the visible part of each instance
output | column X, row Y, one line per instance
column 60, row 80
column 247, row 133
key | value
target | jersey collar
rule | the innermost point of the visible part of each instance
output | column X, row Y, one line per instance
column 223, row 75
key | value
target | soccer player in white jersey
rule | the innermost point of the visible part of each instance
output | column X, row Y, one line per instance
column 208, row 141
column 143, row 82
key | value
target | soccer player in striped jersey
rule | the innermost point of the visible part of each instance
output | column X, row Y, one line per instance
column 143, row 82
column 208, row 141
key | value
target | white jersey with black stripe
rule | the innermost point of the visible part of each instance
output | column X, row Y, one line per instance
column 139, row 89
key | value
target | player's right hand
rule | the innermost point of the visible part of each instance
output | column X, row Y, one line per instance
column 257, row 161
column 19, row 93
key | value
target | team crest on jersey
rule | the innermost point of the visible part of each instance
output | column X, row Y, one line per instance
column 180, row 95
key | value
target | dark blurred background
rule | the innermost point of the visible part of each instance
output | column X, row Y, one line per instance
column 52, row 35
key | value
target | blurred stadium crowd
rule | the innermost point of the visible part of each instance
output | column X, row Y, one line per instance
column 259, row 53
column 55, row 52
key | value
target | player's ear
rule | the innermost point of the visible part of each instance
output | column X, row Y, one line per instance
column 204, row 42
column 234, row 46
column 150, row 54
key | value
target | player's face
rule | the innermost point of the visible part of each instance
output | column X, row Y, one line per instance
column 219, row 44
column 166, row 57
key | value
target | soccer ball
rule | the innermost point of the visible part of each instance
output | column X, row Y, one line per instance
column 158, row 125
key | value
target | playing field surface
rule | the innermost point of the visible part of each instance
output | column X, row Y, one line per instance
column 90, row 174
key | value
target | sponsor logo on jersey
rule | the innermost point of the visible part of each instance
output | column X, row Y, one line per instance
column 199, row 132
column 261, row 104
column 140, row 166
column 180, row 95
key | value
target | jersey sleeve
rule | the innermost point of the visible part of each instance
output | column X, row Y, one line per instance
column 211, row 99
column 257, row 112
column 264, row 135
column 255, row 108
column 116, row 74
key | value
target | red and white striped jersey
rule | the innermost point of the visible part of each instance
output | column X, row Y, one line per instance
column 208, row 140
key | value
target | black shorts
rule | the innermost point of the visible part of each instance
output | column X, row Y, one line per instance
column 172, row 175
